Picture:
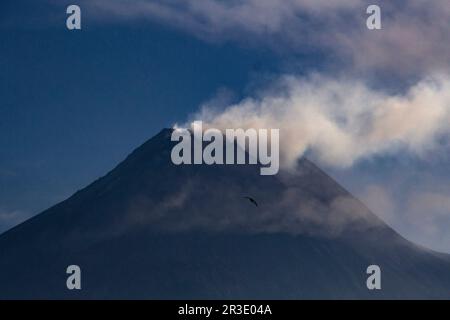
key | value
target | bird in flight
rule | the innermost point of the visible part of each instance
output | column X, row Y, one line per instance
column 251, row 200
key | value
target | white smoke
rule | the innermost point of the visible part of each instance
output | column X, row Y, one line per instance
column 341, row 121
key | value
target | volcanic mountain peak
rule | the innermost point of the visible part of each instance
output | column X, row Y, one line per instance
column 152, row 229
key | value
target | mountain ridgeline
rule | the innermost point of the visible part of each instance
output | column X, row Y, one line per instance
column 150, row 229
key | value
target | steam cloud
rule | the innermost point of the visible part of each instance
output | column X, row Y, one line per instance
column 341, row 121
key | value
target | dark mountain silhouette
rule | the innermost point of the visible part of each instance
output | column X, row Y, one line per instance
column 151, row 229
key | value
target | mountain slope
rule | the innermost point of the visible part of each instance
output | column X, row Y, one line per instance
column 150, row 229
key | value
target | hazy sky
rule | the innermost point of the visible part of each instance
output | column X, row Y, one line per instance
column 75, row 103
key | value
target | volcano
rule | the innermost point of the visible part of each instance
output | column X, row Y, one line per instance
column 150, row 229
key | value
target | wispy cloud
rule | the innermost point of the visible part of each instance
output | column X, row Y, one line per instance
column 413, row 39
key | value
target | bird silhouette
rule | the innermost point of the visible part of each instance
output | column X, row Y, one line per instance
column 251, row 200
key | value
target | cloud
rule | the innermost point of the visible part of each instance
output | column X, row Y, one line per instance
column 413, row 39
column 299, row 214
column 341, row 121
column 285, row 206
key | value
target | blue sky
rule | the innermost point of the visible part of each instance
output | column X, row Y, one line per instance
column 75, row 103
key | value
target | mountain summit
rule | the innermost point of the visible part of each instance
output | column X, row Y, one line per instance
column 152, row 229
